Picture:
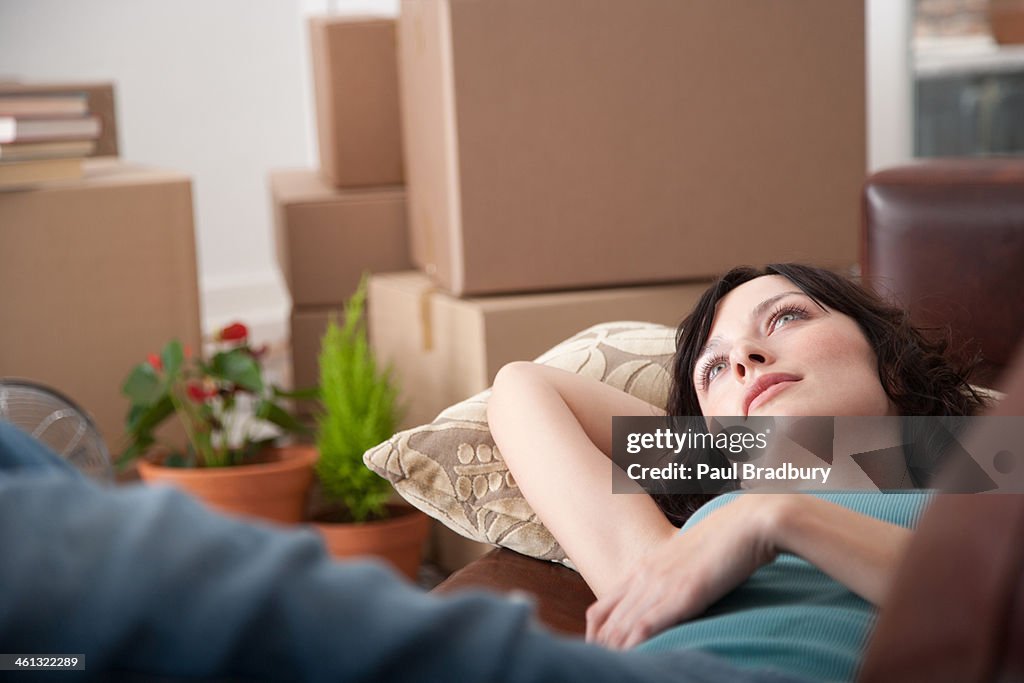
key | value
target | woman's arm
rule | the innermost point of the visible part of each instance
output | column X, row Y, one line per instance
column 692, row 570
column 858, row 551
column 554, row 430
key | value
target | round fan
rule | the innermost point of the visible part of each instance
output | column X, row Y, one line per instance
column 57, row 422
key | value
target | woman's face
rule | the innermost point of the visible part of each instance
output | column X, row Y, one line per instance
column 773, row 351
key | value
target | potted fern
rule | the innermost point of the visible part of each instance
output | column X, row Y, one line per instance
column 359, row 409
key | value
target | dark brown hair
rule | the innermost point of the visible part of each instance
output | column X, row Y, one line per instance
column 913, row 366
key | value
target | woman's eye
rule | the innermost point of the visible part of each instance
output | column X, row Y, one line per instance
column 785, row 318
column 714, row 369
column 711, row 369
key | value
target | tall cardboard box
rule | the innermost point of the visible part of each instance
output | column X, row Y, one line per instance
column 96, row 274
column 554, row 144
column 101, row 105
column 355, row 78
column 326, row 238
column 445, row 349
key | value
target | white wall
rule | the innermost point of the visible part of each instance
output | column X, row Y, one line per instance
column 890, row 82
column 221, row 89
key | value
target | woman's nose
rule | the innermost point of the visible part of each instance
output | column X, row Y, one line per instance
column 748, row 355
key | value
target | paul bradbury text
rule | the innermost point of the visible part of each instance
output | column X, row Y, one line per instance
column 738, row 472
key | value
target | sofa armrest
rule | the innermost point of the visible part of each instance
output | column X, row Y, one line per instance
column 560, row 595
column 955, row 611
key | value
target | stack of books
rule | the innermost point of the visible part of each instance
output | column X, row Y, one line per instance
column 45, row 136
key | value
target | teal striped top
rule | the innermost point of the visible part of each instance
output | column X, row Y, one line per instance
column 790, row 616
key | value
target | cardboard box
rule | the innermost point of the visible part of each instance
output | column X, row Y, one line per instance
column 307, row 328
column 445, row 349
column 96, row 274
column 605, row 142
column 355, row 79
column 101, row 104
column 326, row 238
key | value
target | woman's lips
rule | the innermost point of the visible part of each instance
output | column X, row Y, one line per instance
column 775, row 386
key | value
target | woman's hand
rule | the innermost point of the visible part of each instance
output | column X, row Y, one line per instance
column 687, row 572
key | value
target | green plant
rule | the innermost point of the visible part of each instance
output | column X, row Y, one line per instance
column 229, row 413
column 359, row 410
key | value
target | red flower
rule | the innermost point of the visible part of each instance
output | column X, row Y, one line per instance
column 233, row 332
column 198, row 392
column 155, row 362
column 188, row 352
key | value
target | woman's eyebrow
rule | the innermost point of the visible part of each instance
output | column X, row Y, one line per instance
column 712, row 343
column 762, row 307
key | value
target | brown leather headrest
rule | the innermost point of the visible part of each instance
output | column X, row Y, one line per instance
column 945, row 238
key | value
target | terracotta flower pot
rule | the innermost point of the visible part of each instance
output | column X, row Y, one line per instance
column 274, row 490
column 398, row 539
column 1006, row 18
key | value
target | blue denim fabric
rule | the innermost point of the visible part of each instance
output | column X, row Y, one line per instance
column 150, row 585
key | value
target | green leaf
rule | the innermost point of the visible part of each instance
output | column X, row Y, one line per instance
column 135, row 414
column 172, row 357
column 238, row 367
column 142, row 422
column 311, row 393
column 275, row 414
column 143, row 386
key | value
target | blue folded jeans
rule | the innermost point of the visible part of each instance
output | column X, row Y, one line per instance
column 150, row 585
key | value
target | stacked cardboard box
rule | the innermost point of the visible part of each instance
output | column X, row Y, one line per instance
column 96, row 273
column 349, row 216
column 559, row 150
column 555, row 144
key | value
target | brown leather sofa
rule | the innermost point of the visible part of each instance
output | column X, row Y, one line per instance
column 946, row 238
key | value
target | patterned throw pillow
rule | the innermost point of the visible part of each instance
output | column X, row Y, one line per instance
column 452, row 470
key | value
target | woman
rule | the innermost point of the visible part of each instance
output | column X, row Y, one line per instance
column 784, row 340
